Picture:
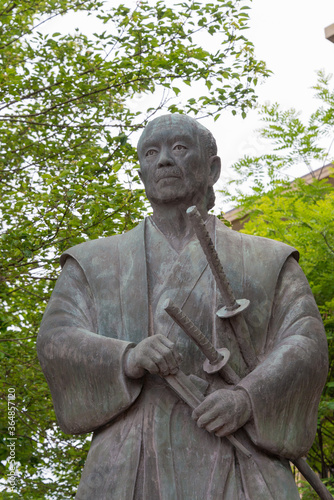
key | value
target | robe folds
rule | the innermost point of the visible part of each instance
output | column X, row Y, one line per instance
column 145, row 445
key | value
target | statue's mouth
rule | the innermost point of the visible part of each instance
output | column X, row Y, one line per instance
column 168, row 173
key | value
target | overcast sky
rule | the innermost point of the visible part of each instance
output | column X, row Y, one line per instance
column 289, row 36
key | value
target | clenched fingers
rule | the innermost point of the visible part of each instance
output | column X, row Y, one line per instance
column 223, row 411
column 167, row 357
column 155, row 354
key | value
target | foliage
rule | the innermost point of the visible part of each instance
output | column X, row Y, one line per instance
column 67, row 167
column 300, row 214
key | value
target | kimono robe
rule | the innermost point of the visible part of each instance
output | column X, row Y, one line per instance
column 110, row 296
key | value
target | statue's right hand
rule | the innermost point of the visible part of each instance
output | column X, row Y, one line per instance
column 156, row 354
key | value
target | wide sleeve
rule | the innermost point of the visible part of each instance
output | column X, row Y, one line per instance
column 84, row 370
column 285, row 388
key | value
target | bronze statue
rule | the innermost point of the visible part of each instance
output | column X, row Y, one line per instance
column 113, row 355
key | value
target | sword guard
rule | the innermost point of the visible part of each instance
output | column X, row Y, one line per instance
column 215, row 367
column 225, row 312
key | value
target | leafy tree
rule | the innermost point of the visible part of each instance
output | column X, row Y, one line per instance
column 67, row 168
column 300, row 214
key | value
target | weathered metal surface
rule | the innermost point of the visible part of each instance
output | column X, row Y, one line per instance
column 106, row 341
column 208, row 349
column 188, row 392
column 232, row 308
column 212, row 258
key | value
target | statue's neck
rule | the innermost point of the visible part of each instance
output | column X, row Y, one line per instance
column 174, row 223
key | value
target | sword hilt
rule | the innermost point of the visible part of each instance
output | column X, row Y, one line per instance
column 232, row 308
column 212, row 258
column 217, row 357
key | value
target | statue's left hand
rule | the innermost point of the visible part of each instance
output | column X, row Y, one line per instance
column 223, row 412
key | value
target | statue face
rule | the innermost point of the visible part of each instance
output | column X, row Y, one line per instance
column 174, row 166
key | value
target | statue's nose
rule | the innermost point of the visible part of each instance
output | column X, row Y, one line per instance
column 165, row 158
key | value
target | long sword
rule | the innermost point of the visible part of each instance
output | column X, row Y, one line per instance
column 233, row 308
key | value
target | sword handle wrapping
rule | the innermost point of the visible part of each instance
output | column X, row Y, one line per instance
column 233, row 309
column 216, row 359
column 192, row 331
column 212, row 258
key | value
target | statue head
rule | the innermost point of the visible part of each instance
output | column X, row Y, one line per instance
column 178, row 161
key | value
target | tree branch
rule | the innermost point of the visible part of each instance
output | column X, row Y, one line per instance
column 328, row 245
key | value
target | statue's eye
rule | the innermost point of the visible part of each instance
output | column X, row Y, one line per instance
column 179, row 147
column 151, row 152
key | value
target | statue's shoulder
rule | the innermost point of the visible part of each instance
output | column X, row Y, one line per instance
column 98, row 249
column 255, row 245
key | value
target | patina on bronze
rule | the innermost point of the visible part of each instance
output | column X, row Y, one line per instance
column 217, row 359
column 107, row 346
column 232, row 308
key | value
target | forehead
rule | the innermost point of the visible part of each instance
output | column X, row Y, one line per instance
column 168, row 129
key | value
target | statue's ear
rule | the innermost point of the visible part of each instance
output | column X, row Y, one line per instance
column 214, row 172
